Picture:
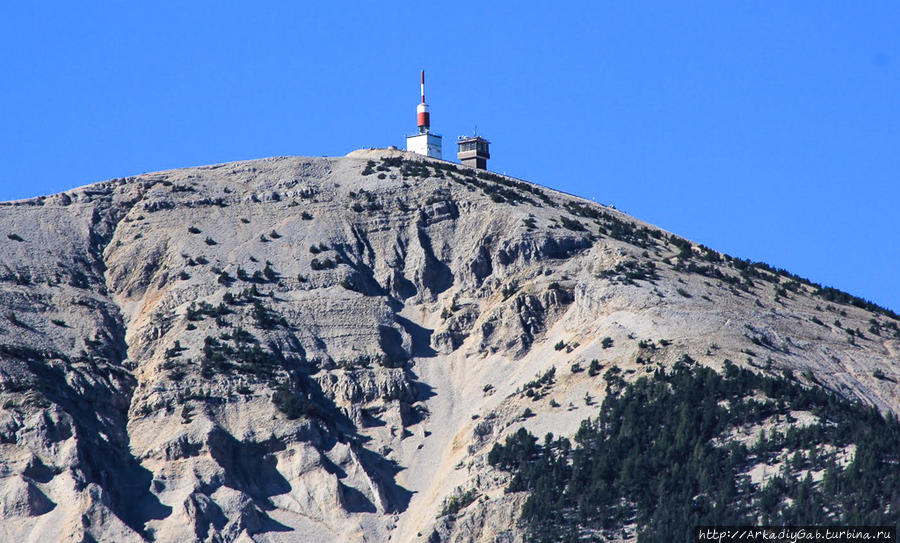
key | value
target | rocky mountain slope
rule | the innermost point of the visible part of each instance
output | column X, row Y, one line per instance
column 326, row 349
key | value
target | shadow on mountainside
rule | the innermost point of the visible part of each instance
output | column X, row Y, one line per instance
column 102, row 447
column 421, row 338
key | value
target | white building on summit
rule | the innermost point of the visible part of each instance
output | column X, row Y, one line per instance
column 425, row 142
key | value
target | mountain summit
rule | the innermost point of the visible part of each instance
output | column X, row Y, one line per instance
column 361, row 349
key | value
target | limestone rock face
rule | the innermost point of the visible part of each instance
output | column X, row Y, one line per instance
column 325, row 349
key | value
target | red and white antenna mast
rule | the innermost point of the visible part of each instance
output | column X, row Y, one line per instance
column 423, row 115
column 424, row 142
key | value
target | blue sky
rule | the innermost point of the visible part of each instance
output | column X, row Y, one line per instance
column 768, row 130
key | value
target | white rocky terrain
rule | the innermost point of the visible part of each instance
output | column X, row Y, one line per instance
column 325, row 349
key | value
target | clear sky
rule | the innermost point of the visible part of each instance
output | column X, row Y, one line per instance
column 767, row 130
